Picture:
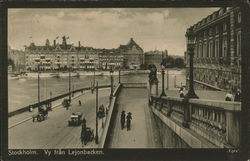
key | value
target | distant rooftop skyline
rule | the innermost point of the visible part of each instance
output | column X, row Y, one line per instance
column 151, row 28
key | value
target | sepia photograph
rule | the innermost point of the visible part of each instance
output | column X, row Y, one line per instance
column 115, row 78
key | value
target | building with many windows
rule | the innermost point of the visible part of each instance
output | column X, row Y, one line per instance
column 62, row 56
column 133, row 54
column 217, row 59
column 110, row 58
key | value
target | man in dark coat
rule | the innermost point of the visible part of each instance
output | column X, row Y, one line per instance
column 129, row 118
column 237, row 97
column 123, row 116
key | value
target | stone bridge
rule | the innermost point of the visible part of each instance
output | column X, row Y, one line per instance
column 167, row 122
column 172, row 122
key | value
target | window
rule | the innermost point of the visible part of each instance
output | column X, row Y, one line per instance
column 238, row 46
column 217, row 45
column 200, row 50
column 239, row 17
column 216, row 30
column 224, row 27
column 210, row 31
column 205, row 49
column 224, row 46
column 210, row 49
column 205, row 34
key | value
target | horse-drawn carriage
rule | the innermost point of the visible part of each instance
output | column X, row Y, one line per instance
column 75, row 119
column 41, row 115
column 87, row 135
column 101, row 112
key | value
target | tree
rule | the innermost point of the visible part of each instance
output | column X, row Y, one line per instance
column 179, row 63
column 168, row 62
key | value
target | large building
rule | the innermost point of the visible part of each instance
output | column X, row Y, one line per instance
column 155, row 57
column 62, row 56
column 217, row 59
column 110, row 58
column 133, row 54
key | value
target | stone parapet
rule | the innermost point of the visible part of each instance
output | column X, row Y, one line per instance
column 218, row 122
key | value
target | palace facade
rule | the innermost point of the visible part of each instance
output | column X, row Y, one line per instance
column 217, row 59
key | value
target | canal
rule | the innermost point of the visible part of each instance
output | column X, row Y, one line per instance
column 23, row 92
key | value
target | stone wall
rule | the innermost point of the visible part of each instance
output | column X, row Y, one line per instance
column 169, row 139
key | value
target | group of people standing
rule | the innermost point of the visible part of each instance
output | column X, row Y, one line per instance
column 123, row 119
column 229, row 96
column 236, row 98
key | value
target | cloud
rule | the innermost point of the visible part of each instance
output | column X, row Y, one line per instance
column 105, row 27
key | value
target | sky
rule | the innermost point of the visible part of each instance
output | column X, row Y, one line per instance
column 151, row 28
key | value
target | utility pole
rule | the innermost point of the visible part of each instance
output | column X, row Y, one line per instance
column 69, row 86
column 38, row 83
column 96, row 127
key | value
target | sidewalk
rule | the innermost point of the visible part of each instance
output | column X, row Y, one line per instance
column 142, row 133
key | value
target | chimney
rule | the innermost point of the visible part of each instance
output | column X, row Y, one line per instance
column 79, row 44
column 54, row 42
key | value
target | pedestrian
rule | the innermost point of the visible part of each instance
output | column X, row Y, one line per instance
column 30, row 108
column 129, row 118
column 181, row 92
column 229, row 96
column 80, row 103
column 237, row 97
column 123, row 116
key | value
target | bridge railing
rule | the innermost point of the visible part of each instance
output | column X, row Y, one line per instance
column 134, row 85
column 42, row 103
column 216, row 121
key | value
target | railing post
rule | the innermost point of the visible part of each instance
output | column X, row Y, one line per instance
column 233, row 128
column 187, row 113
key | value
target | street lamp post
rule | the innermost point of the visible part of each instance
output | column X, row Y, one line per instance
column 167, row 80
column 190, row 47
column 96, row 117
column 191, row 94
column 162, row 74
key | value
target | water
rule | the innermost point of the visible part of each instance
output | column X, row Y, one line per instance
column 24, row 92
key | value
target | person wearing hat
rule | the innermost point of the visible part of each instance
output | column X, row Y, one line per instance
column 129, row 118
column 123, row 116
column 237, row 97
column 181, row 92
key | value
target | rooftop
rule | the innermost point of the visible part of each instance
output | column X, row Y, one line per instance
column 70, row 47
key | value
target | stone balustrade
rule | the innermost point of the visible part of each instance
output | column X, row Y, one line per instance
column 216, row 121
